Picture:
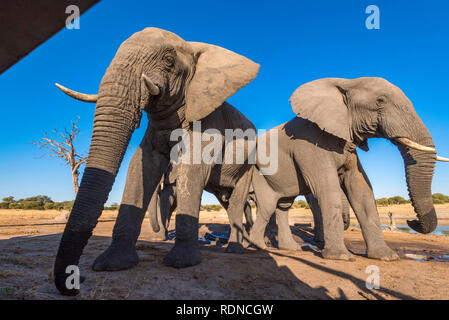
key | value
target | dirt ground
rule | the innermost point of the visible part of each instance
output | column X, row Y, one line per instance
column 29, row 240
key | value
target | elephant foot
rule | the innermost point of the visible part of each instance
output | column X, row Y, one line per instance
column 337, row 254
column 234, row 247
column 183, row 254
column 116, row 257
column 258, row 242
column 381, row 252
column 319, row 243
column 288, row 245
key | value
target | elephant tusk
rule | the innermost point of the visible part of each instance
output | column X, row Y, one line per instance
column 409, row 143
column 77, row 95
column 442, row 159
column 154, row 89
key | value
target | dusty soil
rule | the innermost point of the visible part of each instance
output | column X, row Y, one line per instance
column 28, row 243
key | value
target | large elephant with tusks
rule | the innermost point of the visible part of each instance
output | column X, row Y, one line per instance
column 176, row 83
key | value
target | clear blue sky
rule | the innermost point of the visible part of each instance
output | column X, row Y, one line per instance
column 294, row 41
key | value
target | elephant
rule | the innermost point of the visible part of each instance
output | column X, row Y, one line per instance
column 286, row 240
column 182, row 86
column 163, row 203
column 317, row 154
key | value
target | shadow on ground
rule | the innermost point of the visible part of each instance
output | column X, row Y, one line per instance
column 26, row 264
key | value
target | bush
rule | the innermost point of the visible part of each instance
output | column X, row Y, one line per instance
column 32, row 205
column 57, row 206
column 68, row 205
column 15, row 205
column 301, row 204
column 439, row 198
column 4, row 205
column 8, row 199
column 49, row 206
column 114, row 206
column 211, row 207
column 383, row 202
column 397, row 200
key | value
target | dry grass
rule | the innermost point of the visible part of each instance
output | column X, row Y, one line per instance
column 45, row 214
column 397, row 210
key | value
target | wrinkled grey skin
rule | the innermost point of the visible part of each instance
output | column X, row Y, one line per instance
column 317, row 154
column 318, row 221
column 163, row 203
column 286, row 240
column 175, row 82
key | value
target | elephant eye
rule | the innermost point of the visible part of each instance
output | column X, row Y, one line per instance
column 381, row 100
column 169, row 61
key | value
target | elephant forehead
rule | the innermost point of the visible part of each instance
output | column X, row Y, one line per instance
column 153, row 38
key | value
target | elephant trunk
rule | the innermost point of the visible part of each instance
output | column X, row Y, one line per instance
column 114, row 124
column 410, row 135
column 419, row 168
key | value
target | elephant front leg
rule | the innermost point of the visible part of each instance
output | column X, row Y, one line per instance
column 326, row 189
column 190, row 184
column 144, row 174
column 361, row 197
column 317, row 217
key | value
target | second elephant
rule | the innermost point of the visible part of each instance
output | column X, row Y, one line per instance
column 317, row 153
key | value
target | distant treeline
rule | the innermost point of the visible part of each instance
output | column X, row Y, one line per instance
column 438, row 198
column 41, row 202
column 45, row 203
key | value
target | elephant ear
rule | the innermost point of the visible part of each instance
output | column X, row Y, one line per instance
column 323, row 102
column 219, row 74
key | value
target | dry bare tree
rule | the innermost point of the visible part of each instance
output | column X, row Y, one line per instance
column 65, row 149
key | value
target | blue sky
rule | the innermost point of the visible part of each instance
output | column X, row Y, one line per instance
column 294, row 41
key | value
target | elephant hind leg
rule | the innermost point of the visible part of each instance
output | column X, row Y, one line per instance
column 237, row 202
column 285, row 237
column 266, row 200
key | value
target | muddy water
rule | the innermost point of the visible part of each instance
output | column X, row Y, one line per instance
column 439, row 231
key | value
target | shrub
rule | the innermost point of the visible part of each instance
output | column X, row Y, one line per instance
column 438, row 198
column 58, row 205
column 114, row 206
column 383, row 202
column 49, row 205
column 4, row 205
column 68, row 205
column 8, row 199
column 32, row 205
column 15, row 205
column 211, row 207
column 397, row 200
column 301, row 204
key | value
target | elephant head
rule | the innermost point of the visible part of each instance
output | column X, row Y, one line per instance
column 155, row 71
column 357, row 109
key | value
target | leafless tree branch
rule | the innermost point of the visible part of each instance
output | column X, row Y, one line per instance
column 64, row 148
